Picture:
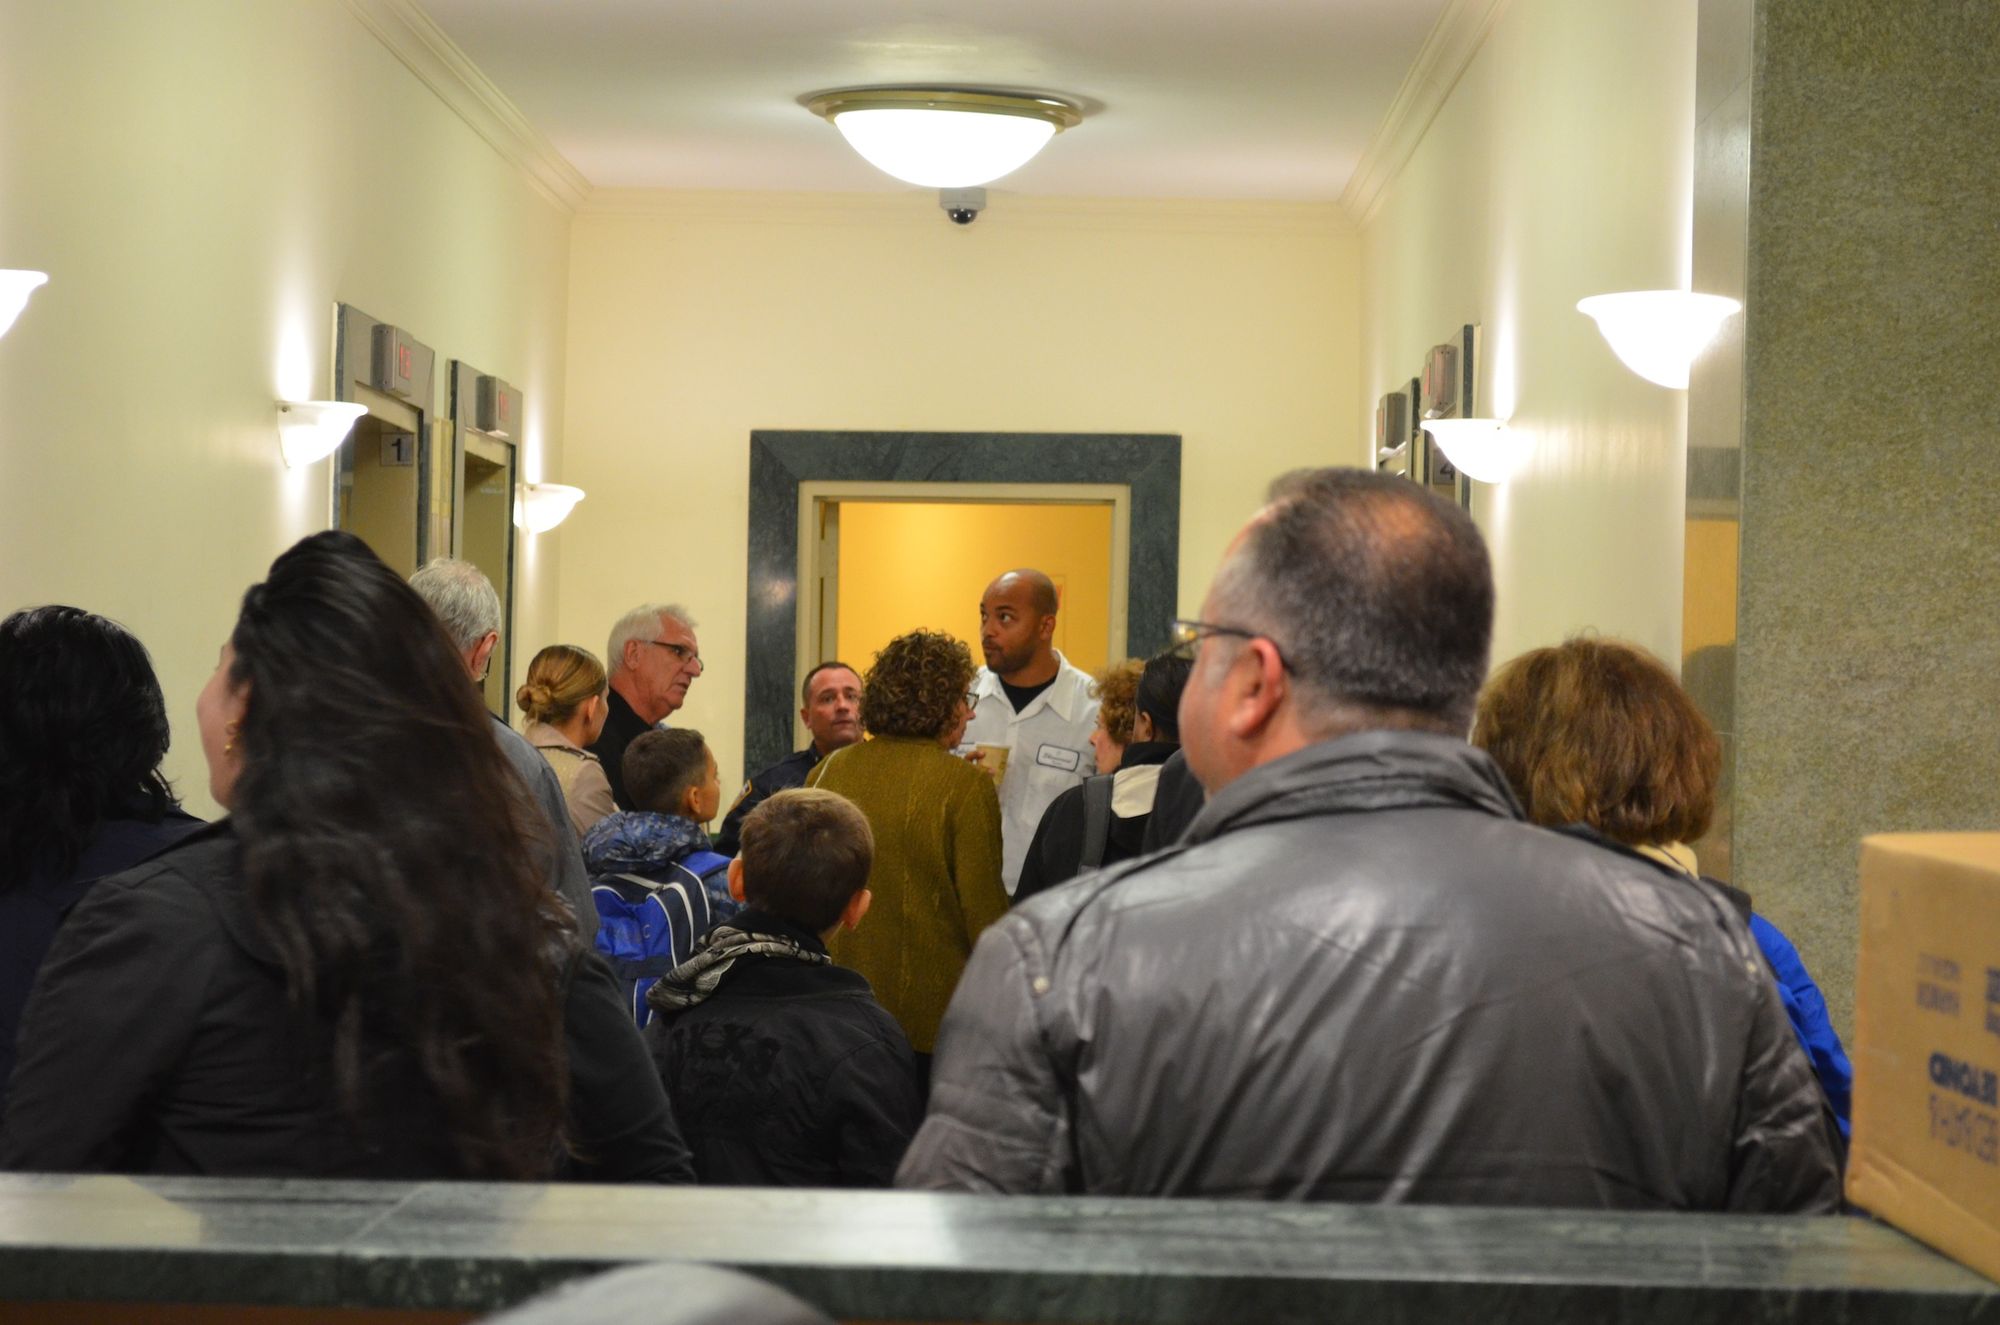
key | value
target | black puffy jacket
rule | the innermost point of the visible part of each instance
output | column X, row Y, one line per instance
column 1362, row 977
column 787, row 1072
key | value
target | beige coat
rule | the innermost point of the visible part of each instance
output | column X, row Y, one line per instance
column 585, row 789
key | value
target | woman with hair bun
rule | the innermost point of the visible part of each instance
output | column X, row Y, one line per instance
column 565, row 701
column 83, row 728
column 360, row 973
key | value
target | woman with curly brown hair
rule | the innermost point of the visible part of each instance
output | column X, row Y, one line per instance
column 1597, row 733
column 936, row 820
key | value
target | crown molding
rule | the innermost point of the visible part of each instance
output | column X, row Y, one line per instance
column 413, row 37
column 1454, row 40
column 919, row 207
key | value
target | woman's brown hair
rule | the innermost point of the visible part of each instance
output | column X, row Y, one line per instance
column 915, row 685
column 561, row 677
column 1116, row 686
column 1599, row 732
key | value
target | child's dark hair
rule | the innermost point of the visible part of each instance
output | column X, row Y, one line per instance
column 660, row 766
column 805, row 853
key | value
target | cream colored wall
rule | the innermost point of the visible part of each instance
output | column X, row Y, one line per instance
column 1560, row 166
column 909, row 564
column 695, row 319
column 203, row 180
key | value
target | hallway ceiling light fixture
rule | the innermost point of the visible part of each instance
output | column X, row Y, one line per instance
column 1658, row 333
column 15, row 287
column 540, row 507
column 945, row 138
column 1485, row 450
column 312, row 430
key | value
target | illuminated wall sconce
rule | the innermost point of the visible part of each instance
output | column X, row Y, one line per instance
column 310, row 430
column 540, row 507
column 15, row 287
column 1658, row 333
column 1486, row 450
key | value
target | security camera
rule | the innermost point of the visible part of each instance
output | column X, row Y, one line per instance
column 962, row 205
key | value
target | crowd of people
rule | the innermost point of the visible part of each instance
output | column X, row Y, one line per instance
column 1305, row 907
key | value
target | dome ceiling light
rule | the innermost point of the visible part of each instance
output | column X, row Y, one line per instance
column 944, row 138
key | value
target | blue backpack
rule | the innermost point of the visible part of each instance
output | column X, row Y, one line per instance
column 646, row 927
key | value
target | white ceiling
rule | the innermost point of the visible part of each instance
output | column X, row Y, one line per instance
column 1186, row 98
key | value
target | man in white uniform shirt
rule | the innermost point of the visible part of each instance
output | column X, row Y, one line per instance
column 1031, row 701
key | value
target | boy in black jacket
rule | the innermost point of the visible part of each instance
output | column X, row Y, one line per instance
column 782, row 1068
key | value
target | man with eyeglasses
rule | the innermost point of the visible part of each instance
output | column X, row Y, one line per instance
column 1030, row 699
column 652, row 657
column 1362, row 975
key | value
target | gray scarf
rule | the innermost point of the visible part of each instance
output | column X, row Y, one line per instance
column 696, row 978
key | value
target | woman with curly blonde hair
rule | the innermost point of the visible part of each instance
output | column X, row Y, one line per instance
column 936, row 820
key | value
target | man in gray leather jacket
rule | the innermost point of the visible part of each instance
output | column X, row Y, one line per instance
column 1361, row 975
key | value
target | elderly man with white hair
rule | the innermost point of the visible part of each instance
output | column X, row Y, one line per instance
column 653, row 658
column 469, row 609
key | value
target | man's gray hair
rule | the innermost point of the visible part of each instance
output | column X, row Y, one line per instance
column 640, row 623
column 463, row 598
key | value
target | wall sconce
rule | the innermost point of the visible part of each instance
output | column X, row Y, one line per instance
column 1483, row 449
column 1658, row 333
column 15, row 287
column 540, row 507
column 310, row 430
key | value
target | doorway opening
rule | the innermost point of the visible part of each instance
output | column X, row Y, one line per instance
column 484, row 411
column 781, row 593
column 879, row 559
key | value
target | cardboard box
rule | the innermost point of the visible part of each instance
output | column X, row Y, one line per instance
column 1926, row 1150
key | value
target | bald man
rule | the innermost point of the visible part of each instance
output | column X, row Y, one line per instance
column 1029, row 699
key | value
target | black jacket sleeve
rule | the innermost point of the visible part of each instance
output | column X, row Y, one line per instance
column 114, row 1009
column 621, row 1127
column 1177, row 799
column 1057, row 848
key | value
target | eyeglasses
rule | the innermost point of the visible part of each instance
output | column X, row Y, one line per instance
column 689, row 657
column 1186, row 635
column 972, row 701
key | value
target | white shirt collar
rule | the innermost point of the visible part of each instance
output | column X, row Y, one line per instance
column 1069, row 686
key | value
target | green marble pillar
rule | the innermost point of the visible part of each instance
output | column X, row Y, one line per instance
column 1843, row 508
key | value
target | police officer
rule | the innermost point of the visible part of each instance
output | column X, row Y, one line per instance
column 832, row 713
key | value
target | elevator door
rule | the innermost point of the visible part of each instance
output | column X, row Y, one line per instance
column 379, row 498
column 486, row 539
column 387, row 488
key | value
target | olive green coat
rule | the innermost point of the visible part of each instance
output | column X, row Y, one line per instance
column 936, row 878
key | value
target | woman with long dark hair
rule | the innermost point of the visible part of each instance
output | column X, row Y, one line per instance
column 359, row 972
column 83, row 728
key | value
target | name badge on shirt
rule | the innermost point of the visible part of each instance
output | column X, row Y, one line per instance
column 1058, row 756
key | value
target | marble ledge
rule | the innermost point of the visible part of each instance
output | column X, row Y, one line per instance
column 912, row 1256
